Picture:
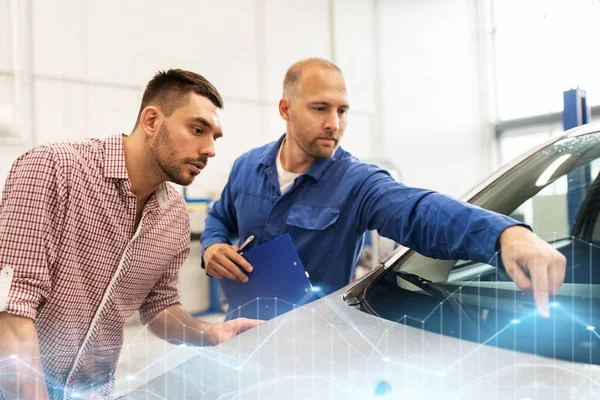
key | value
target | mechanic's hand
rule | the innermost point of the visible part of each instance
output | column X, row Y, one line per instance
column 533, row 264
column 219, row 333
column 220, row 260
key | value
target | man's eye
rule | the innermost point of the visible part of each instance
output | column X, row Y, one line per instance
column 197, row 131
column 320, row 108
column 343, row 111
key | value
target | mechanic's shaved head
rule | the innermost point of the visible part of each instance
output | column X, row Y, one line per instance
column 293, row 76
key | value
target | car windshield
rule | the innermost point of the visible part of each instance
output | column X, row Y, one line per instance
column 556, row 191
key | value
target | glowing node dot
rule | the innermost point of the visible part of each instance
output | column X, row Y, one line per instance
column 554, row 304
column 514, row 321
column 386, row 359
column 238, row 368
column 13, row 356
column 130, row 377
column 441, row 373
column 590, row 328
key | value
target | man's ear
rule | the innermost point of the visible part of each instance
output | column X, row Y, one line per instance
column 149, row 120
column 284, row 108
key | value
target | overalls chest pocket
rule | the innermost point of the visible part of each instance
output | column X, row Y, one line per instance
column 312, row 218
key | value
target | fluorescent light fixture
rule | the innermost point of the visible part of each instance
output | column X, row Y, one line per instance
column 547, row 174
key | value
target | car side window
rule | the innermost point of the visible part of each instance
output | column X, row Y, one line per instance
column 565, row 214
column 547, row 211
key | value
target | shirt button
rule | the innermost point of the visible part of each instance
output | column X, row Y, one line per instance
column 271, row 171
column 131, row 205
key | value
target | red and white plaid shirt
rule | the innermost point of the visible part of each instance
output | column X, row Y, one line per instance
column 79, row 268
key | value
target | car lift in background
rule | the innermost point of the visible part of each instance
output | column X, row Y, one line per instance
column 576, row 113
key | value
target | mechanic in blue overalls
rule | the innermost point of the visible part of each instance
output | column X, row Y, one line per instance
column 306, row 185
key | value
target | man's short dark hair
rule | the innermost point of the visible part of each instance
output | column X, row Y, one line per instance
column 169, row 89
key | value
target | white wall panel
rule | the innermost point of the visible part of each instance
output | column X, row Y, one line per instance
column 294, row 31
column 5, row 36
column 60, row 111
column 7, row 95
column 111, row 110
column 15, row 38
column 59, row 38
column 128, row 41
column 354, row 50
column 430, row 101
column 15, row 109
column 357, row 137
column 275, row 124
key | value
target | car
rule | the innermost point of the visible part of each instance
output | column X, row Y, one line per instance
column 421, row 328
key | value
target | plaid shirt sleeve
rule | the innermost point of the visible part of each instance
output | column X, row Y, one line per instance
column 30, row 226
column 166, row 291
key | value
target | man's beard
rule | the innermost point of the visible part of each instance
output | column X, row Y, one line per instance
column 165, row 158
column 311, row 146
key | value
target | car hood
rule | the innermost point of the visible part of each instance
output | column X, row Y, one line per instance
column 329, row 350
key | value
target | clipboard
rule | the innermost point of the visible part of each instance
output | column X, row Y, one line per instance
column 277, row 284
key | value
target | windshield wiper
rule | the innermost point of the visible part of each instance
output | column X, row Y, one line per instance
column 439, row 292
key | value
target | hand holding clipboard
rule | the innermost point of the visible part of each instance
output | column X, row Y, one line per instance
column 277, row 284
column 222, row 260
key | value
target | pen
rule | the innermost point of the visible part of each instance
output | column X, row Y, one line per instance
column 246, row 243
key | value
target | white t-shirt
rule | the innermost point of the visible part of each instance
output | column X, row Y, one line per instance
column 285, row 178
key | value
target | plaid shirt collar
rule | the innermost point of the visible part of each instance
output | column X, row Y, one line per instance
column 114, row 167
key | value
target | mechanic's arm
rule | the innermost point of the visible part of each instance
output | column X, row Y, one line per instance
column 442, row 227
column 431, row 223
column 177, row 326
column 21, row 373
column 220, row 230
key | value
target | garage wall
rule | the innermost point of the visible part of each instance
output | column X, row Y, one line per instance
column 435, row 115
column 79, row 69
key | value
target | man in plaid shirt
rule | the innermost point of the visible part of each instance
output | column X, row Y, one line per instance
column 90, row 232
